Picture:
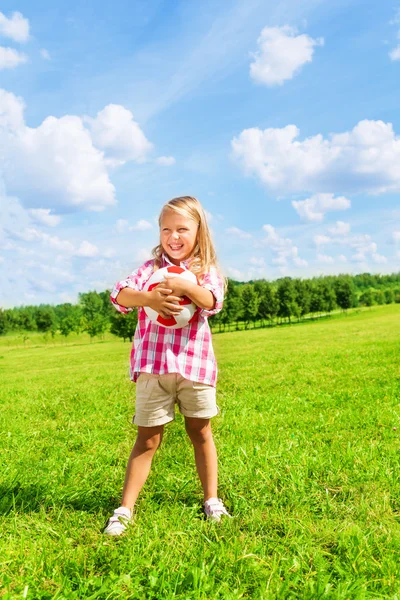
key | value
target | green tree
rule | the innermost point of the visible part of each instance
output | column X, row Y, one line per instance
column 27, row 320
column 231, row 309
column 288, row 306
column 67, row 325
column 302, row 295
column 379, row 297
column 3, row 322
column 268, row 306
column 317, row 298
column 124, row 325
column 94, row 321
column 389, row 296
column 45, row 319
column 345, row 293
column 250, row 302
column 367, row 297
column 328, row 294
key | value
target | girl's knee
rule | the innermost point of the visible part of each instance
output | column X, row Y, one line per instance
column 148, row 440
column 199, row 430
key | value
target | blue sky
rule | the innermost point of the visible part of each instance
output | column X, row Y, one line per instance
column 282, row 118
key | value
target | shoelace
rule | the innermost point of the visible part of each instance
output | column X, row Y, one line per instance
column 217, row 507
column 116, row 517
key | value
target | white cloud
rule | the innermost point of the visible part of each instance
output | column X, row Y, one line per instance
column 281, row 54
column 395, row 53
column 238, row 233
column 45, row 54
column 109, row 253
column 87, row 250
column 114, row 131
column 379, row 258
column 325, row 259
column 15, row 28
column 235, row 274
column 364, row 159
column 11, row 112
column 340, row 228
column 319, row 240
column 12, row 218
column 315, row 207
column 365, row 249
column 363, row 243
column 143, row 254
column 165, row 161
column 55, row 163
column 57, row 272
column 10, row 58
column 31, row 234
column 274, row 240
column 65, row 247
column 257, row 261
column 396, row 236
column 300, row 262
column 280, row 261
column 141, row 225
column 283, row 248
column 122, row 226
column 43, row 217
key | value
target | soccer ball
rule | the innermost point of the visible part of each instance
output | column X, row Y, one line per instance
column 189, row 308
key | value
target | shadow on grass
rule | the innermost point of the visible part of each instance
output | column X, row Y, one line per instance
column 35, row 498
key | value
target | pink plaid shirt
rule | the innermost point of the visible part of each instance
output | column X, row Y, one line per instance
column 187, row 351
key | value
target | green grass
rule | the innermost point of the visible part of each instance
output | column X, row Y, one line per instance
column 308, row 441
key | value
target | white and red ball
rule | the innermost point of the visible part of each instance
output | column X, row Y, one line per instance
column 189, row 308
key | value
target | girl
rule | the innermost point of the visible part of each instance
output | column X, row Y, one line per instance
column 173, row 365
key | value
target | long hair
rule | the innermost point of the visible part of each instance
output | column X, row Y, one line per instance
column 203, row 256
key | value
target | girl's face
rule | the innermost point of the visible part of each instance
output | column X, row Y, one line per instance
column 178, row 235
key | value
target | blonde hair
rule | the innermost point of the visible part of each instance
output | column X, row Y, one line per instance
column 203, row 256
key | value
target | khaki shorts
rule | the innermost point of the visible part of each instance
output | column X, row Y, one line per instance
column 156, row 396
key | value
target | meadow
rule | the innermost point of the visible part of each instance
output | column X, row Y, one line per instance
column 308, row 441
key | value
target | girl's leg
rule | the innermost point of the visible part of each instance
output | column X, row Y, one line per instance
column 139, row 463
column 205, row 453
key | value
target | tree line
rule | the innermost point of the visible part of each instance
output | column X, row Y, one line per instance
column 261, row 301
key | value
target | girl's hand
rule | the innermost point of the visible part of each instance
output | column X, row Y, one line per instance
column 179, row 285
column 163, row 302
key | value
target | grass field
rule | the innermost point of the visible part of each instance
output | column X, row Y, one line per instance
column 308, row 441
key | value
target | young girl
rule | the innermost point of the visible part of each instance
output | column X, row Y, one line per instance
column 173, row 365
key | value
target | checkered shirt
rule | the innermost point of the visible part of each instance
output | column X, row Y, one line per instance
column 187, row 351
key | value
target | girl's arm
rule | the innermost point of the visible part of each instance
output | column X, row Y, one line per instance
column 159, row 299
column 202, row 297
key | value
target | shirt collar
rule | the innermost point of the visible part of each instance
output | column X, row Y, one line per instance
column 184, row 263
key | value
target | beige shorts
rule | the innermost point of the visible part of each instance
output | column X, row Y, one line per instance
column 156, row 396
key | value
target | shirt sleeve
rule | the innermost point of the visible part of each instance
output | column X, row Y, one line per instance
column 214, row 282
column 135, row 281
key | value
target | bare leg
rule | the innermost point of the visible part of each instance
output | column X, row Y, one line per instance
column 205, row 454
column 139, row 463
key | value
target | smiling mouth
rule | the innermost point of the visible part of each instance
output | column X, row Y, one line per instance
column 176, row 248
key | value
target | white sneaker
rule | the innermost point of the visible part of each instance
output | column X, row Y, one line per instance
column 214, row 509
column 119, row 522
